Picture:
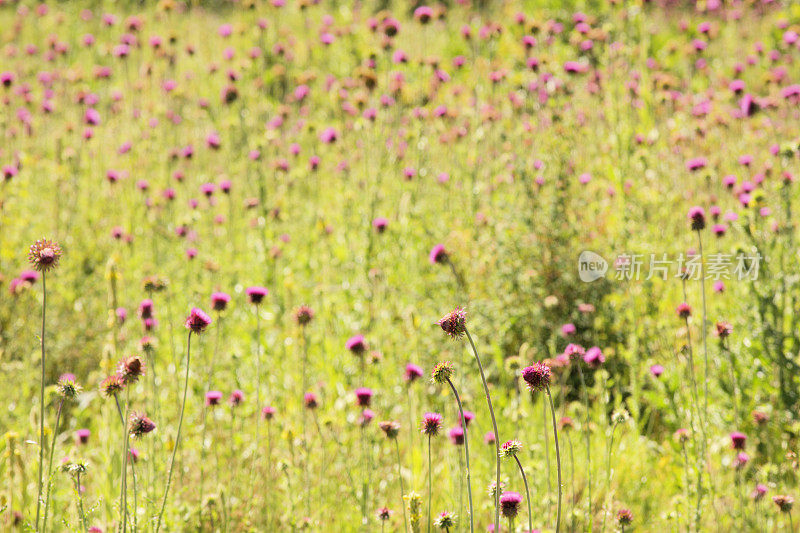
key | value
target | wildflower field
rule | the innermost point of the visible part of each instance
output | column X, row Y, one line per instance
column 284, row 265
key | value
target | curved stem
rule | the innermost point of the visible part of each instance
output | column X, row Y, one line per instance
column 402, row 491
column 558, row 457
column 496, row 435
column 41, row 403
column 527, row 493
column 178, row 437
column 466, row 452
column 50, row 465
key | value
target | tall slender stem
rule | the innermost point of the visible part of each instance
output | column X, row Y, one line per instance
column 496, row 435
column 466, row 452
column 703, row 324
column 178, row 437
column 123, row 496
column 587, row 438
column 80, row 500
column 558, row 457
column 429, row 483
column 527, row 492
column 50, row 464
column 41, row 403
column 402, row 490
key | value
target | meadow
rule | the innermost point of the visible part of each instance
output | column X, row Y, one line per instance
column 284, row 265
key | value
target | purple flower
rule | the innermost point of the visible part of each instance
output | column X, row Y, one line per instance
column 213, row 398
column 363, row 396
column 219, row 301
column 356, row 344
column 509, row 503
column 438, row 255
column 256, row 294
column 197, row 321
column 594, row 357
column 431, row 424
column 537, row 376
column 413, row 372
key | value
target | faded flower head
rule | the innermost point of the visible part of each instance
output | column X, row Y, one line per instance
column 197, row 321
column 454, row 323
column 44, row 255
column 784, row 502
column 112, row 385
column 303, row 315
column 390, row 428
column 510, row 448
column 383, row 514
column 140, row 425
column 442, row 372
column 536, row 376
column 130, row 369
column 431, row 424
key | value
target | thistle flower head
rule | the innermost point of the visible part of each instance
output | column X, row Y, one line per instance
column 356, row 344
column 112, row 385
column 438, row 255
column 454, row 323
column 456, row 435
column 431, row 424
column 594, row 357
column 683, row 310
column 390, row 428
column 197, row 321
column 445, row 521
column 130, row 369
column 146, row 309
column 140, row 425
column 566, row 423
column 236, row 398
column 366, row 416
column 310, row 400
column 256, row 294
column 219, row 301
column 784, row 502
column 469, row 416
column 442, row 372
column 697, row 217
column 413, row 372
column 738, row 440
column 44, row 255
column 213, row 398
column 82, row 436
column 537, row 376
column 723, row 329
column 510, row 448
column 363, row 396
column 268, row 412
column 67, row 387
column 383, row 514
column 682, row 435
column 624, row 517
column 509, row 503
column 303, row 315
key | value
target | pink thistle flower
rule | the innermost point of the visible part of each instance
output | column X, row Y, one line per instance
column 256, row 294
column 197, row 321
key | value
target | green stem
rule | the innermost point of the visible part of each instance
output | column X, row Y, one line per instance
column 50, row 465
column 80, row 500
column 587, row 438
column 429, row 484
column 123, row 496
column 527, row 493
column 402, row 490
column 41, row 403
column 703, row 325
column 558, row 457
column 178, row 437
column 496, row 435
column 466, row 453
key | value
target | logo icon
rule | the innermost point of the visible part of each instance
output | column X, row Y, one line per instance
column 591, row 266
